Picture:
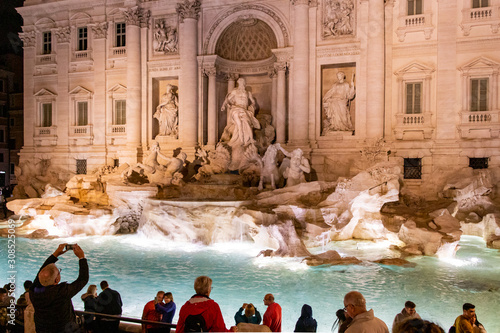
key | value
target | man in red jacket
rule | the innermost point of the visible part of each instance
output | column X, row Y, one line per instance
column 272, row 317
column 201, row 311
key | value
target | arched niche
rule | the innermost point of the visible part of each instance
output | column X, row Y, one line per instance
column 268, row 15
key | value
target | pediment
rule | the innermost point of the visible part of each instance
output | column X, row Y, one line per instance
column 44, row 92
column 45, row 23
column 480, row 64
column 415, row 68
column 118, row 89
column 81, row 18
column 79, row 90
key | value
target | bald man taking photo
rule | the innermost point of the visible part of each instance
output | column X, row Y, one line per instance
column 51, row 299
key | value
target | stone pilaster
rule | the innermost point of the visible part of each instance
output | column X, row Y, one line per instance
column 188, row 79
column 375, row 70
column 30, row 112
column 274, row 95
column 281, row 103
column 212, row 106
column 99, row 33
column 300, row 70
column 61, row 116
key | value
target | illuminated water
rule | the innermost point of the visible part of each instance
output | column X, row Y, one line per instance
column 137, row 267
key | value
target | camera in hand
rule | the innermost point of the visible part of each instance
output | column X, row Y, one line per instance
column 69, row 247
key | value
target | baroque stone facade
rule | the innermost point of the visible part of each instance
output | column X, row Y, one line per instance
column 424, row 73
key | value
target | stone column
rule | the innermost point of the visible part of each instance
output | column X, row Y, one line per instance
column 99, row 33
column 134, row 16
column 375, row 69
column 274, row 95
column 300, row 69
column 212, row 107
column 281, row 103
column 188, row 79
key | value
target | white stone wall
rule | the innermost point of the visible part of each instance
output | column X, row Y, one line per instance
column 443, row 48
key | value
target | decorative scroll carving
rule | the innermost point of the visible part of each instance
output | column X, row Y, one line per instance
column 63, row 34
column 137, row 16
column 273, row 73
column 210, row 71
column 166, row 38
column 232, row 76
column 338, row 19
column 280, row 66
column 100, row 30
column 188, row 9
column 28, row 38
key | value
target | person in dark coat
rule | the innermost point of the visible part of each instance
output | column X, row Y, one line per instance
column 90, row 305
column 109, row 302
column 51, row 300
column 306, row 322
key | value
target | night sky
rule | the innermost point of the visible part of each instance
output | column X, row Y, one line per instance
column 10, row 25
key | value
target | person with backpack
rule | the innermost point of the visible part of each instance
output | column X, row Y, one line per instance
column 200, row 313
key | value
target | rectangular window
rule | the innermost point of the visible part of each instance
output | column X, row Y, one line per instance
column 47, row 43
column 120, row 112
column 478, row 163
column 81, row 167
column 479, row 95
column 82, row 39
column 46, row 120
column 2, row 86
column 12, row 122
column 413, row 98
column 12, row 168
column 82, row 117
column 414, row 7
column 120, row 34
column 1, row 158
column 116, row 162
column 2, row 136
column 413, row 168
column 480, row 3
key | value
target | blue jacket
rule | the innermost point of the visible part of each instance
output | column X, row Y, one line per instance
column 167, row 310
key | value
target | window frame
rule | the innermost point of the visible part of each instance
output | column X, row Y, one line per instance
column 82, row 39
column 479, row 3
column 413, row 84
column 116, row 117
column 417, row 8
column 120, row 34
column 43, row 117
column 47, row 42
column 409, row 169
column 480, row 102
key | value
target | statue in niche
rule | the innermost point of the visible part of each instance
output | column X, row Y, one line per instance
column 167, row 113
column 238, row 133
column 166, row 38
column 336, row 104
column 339, row 18
column 294, row 166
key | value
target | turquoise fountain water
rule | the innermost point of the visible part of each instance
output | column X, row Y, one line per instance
column 137, row 267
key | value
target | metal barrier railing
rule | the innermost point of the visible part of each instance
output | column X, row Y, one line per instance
column 158, row 324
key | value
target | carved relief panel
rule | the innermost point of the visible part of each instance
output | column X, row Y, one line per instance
column 166, row 36
column 338, row 18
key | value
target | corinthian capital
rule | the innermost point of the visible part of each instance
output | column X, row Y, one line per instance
column 188, row 9
column 100, row 30
column 28, row 38
column 137, row 16
column 63, row 34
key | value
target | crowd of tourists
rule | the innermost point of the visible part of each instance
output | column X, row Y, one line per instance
column 47, row 308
